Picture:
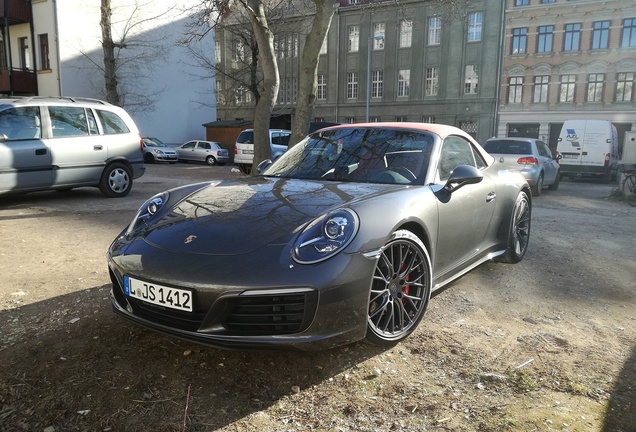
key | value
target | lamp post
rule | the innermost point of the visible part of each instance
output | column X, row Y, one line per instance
column 378, row 37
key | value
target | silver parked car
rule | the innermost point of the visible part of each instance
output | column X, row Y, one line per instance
column 156, row 151
column 64, row 143
column 531, row 156
column 209, row 152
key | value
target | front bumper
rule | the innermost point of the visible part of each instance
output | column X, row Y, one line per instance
column 284, row 306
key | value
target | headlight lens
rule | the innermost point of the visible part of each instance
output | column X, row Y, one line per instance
column 147, row 211
column 326, row 236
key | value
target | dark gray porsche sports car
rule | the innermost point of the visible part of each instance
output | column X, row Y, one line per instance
column 343, row 238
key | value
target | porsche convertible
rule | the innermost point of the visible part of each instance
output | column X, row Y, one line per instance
column 342, row 239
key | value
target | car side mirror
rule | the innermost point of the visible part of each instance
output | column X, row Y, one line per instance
column 461, row 176
column 262, row 167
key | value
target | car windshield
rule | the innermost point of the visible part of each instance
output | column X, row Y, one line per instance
column 508, row 147
column 367, row 155
column 151, row 143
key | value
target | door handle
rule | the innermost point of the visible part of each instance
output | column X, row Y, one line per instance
column 491, row 196
column 98, row 147
column 40, row 152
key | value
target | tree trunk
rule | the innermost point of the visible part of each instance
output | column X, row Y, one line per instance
column 308, row 69
column 271, row 82
column 110, row 66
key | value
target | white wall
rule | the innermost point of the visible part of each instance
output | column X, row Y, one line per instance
column 176, row 115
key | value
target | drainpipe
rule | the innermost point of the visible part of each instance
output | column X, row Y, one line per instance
column 500, row 54
column 58, row 63
column 33, row 53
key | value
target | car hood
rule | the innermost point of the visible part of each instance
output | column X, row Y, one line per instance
column 236, row 217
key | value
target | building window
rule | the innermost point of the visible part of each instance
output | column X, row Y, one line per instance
column 572, row 37
column 515, row 90
column 600, row 35
column 628, row 38
column 354, row 39
column 45, row 63
column 375, row 119
column 428, row 119
column 522, row 2
column 519, row 41
column 547, row 1
column 432, row 81
column 470, row 127
column 352, row 85
column 401, row 119
column 624, row 86
column 474, row 26
column 544, row 39
column 239, row 50
column 217, row 52
column 220, row 99
column 540, row 94
column 568, row 85
column 243, row 97
column 350, row 120
column 378, row 43
column 434, row 31
column 404, row 82
column 321, row 90
column 355, row 1
column 319, row 119
column 377, row 85
column 25, row 57
column 471, row 80
column 406, row 33
column 595, row 87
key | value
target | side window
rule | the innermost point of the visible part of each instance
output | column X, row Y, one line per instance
column 189, row 145
column 92, row 122
column 280, row 138
column 112, row 123
column 455, row 151
column 21, row 123
column 68, row 121
column 204, row 145
column 543, row 149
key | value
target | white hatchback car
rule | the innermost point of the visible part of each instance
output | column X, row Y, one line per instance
column 244, row 148
column 64, row 143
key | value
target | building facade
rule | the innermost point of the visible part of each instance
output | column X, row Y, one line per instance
column 53, row 48
column 567, row 59
column 415, row 60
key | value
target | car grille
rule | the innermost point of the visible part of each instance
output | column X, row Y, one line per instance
column 271, row 314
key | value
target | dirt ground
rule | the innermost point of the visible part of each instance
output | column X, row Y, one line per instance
column 545, row 345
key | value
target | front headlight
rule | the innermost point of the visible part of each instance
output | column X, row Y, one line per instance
column 147, row 211
column 326, row 236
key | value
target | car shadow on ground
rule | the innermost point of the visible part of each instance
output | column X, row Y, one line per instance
column 69, row 363
column 621, row 409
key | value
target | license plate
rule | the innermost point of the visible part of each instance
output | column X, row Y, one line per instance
column 169, row 297
column 248, row 151
column 570, row 156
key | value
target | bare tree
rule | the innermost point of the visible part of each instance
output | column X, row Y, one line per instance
column 127, row 58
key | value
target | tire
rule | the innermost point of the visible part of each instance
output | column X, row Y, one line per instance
column 116, row 181
column 245, row 169
column 148, row 158
column 400, row 289
column 210, row 160
column 536, row 189
column 519, row 231
column 629, row 190
column 554, row 186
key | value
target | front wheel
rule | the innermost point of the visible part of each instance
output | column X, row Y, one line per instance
column 519, row 231
column 116, row 180
column 400, row 289
column 629, row 190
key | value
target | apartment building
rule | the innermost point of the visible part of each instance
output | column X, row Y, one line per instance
column 413, row 60
column 567, row 59
column 53, row 48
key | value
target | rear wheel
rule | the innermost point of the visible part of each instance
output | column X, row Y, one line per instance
column 116, row 180
column 400, row 289
column 210, row 160
column 245, row 169
column 629, row 190
column 519, row 231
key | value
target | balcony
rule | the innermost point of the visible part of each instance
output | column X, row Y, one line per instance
column 15, row 12
column 24, row 82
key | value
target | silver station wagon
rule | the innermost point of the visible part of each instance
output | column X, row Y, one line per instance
column 64, row 143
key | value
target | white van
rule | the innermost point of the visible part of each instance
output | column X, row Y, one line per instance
column 244, row 147
column 589, row 148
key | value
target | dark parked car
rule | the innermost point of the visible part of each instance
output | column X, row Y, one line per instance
column 343, row 238
column 531, row 156
column 209, row 152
